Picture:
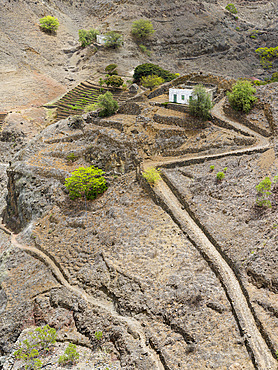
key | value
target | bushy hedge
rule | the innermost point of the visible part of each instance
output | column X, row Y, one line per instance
column 147, row 69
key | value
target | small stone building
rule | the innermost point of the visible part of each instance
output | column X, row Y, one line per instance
column 182, row 95
column 101, row 39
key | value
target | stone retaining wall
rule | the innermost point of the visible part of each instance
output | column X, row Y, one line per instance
column 188, row 123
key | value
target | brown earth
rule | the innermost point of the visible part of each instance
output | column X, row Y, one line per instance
column 120, row 264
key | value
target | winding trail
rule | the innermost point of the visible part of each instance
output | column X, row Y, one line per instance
column 262, row 355
column 105, row 306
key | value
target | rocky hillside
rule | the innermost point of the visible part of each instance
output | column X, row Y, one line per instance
column 190, row 35
column 125, row 263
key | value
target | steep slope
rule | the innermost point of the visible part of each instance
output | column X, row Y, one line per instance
column 190, row 35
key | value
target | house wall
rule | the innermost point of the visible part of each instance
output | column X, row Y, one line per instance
column 101, row 39
column 186, row 93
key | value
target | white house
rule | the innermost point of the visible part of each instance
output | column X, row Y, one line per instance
column 101, row 39
column 182, row 95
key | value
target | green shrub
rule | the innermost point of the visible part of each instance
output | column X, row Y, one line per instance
column 114, row 81
column 113, row 40
column 151, row 81
column 107, row 104
column 264, row 193
column 200, row 103
column 111, row 69
column 225, row 169
column 147, row 69
column 39, row 340
column 220, row 176
column 242, row 96
column 87, row 37
column 212, row 167
column 98, row 335
column 142, row 28
column 87, row 182
column 231, row 8
column 267, row 55
column 152, row 175
column 70, row 356
column 49, row 24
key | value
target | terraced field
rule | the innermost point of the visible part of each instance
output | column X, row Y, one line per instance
column 87, row 92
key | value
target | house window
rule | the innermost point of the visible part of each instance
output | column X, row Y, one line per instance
column 182, row 97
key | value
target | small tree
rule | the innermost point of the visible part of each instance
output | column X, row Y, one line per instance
column 151, row 81
column 142, row 28
column 107, row 104
column 231, row 8
column 264, row 193
column 111, row 69
column 200, row 103
column 87, row 182
column 147, row 69
column 114, row 81
column 242, row 96
column 113, row 39
column 39, row 341
column 87, row 37
column 49, row 24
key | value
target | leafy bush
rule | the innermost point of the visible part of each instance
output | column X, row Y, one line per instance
column 49, row 24
column 70, row 356
column 113, row 39
column 142, row 28
column 200, row 103
column 107, row 104
column 111, row 69
column 98, row 335
column 87, row 37
column 40, row 340
column 87, row 182
column 220, row 176
column 115, row 81
column 212, row 167
column 264, row 193
column 152, row 175
column 151, row 81
column 147, row 69
column 231, row 8
column 267, row 55
column 242, row 96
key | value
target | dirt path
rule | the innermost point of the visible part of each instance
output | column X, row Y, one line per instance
column 263, row 358
column 106, row 306
column 262, row 355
